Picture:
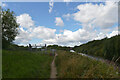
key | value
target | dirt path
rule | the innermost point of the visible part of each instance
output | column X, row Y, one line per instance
column 53, row 68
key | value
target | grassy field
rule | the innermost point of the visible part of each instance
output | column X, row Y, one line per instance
column 25, row 64
column 72, row 65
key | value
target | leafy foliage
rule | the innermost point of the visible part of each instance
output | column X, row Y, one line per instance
column 107, row 48
column 9, row 27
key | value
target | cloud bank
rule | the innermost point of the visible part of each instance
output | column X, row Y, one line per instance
column 97, row 21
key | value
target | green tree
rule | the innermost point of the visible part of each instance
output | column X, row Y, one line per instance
column 9, row 27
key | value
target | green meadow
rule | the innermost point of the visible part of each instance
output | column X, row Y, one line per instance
column 25, row 64
column 34, row 60
column 73, row 65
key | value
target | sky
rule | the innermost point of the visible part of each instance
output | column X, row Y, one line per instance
column 63, row 23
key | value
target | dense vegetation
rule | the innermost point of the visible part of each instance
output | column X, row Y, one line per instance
column 59, row 47
column 9, row 27
column 73, row 65
column 25, row 64
column 107, row 48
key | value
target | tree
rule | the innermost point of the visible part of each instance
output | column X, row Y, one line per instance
column 9, row 27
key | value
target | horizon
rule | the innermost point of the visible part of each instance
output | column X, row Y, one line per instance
column 64, row 24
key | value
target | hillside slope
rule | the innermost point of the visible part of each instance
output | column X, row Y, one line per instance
column 107, row 48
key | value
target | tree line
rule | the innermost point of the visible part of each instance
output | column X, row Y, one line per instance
column 108, row 48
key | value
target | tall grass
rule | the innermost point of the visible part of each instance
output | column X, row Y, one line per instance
column 73, row 65
column 25, row 64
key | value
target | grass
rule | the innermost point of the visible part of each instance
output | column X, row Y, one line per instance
column 25, row 64
column 72, row 65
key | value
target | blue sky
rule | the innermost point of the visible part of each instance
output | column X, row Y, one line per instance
column 66, row 21
column 39, row 12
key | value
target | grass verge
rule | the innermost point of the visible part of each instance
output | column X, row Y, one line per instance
column 25, row 64
column 73, row 65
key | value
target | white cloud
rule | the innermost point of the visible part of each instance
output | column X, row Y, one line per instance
column 69, row 38
column 103, row 16
column 100, row 36
column 43, row 32
column 40, row 32
column 113, row 33
column 23, row 37
column 96, row 20
column 25, row 20
column 59, row 21
column 67, row 16
column 51, row 4
column 26, row 35
column 67, row 0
